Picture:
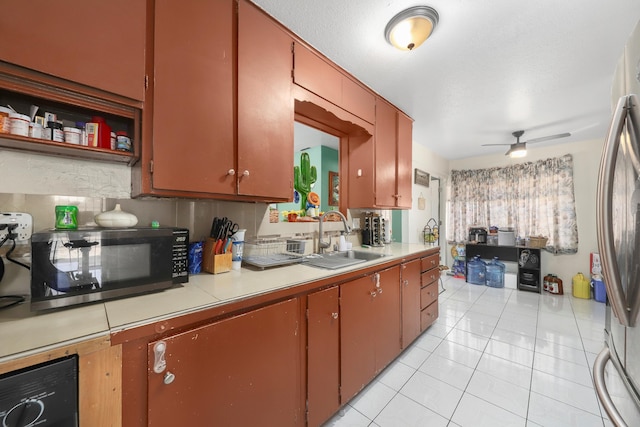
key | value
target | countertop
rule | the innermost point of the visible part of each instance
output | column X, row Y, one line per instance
column 23, row 332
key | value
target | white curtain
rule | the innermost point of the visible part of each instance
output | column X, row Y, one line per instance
column 534, row 198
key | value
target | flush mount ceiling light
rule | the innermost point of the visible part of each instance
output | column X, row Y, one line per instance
column 519, row 149
column 411, row 27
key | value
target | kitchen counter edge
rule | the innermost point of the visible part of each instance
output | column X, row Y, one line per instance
column 204, row 298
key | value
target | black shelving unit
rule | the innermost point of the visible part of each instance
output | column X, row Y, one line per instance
column 528, row 259
column 529, row 267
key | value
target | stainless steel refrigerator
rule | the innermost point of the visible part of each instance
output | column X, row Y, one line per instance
column 617, row 367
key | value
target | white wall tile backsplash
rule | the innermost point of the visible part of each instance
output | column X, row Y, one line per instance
column 41, row 174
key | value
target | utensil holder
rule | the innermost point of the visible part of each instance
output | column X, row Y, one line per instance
column 212, row 263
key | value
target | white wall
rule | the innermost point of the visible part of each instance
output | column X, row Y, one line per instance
column 586, row 160
column 415, row 219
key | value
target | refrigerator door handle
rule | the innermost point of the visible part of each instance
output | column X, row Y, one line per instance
column 604, row 223
column 633, row 130
column 633, row 125
column 601, row 387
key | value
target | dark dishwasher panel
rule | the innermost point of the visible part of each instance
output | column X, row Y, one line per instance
column 44, row 395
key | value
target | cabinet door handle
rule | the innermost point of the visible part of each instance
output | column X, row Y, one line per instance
column 245, row 173
column 168, row 378
column 159, row 363
column 379, row 290
column 231, row 172
column 373, row 293
column 406, row 283
column 334, row 315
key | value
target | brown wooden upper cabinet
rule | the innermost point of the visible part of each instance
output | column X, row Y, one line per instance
column 191, row 148
column 188, row 135
column 100, row 44
column 317, row 75
column 404, row 160
column 265, row 106
column 393, row 157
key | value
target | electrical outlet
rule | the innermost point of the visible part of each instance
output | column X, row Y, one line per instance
column 24, row 221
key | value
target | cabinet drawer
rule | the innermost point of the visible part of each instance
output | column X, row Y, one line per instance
column 428, row 316
column 429, row 277
column 432, row 261
column 428, row 295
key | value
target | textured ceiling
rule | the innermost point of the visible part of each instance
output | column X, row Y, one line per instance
column 490, row 68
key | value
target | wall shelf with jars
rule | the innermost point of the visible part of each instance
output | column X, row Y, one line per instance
column 41, row 116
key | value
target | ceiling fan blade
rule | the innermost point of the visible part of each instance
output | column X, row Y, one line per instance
column 548, row 138
column 488, row 145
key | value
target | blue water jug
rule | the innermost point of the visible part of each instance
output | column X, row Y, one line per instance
column 476, row 270
column 599, row 289
column 495, row 273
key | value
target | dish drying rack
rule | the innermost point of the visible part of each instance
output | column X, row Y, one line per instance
column 269, row 251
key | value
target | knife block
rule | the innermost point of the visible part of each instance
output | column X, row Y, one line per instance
column 212, row 263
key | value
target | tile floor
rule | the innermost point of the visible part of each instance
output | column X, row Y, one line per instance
column 494, row 357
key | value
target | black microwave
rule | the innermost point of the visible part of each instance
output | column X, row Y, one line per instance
column 70, row 267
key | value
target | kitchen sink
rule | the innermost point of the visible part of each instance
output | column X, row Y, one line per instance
column 333, row 260
column 365, row 255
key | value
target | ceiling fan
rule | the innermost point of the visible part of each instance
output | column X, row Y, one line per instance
column 519, row 149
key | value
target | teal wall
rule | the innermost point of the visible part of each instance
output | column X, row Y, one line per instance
column 396, row 225
column 330, row 163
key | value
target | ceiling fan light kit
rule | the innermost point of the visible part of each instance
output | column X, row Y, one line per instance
column 411, row 27
column 517, row 150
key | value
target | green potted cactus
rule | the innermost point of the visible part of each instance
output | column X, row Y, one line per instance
column 304, row 176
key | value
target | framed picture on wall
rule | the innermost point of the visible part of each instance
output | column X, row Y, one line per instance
column 334, row 189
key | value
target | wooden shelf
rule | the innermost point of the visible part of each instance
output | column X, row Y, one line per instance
column 43, row 146
column 71, row 102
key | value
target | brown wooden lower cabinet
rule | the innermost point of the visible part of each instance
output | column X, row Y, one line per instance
column 323, row 355
column 241, row 371
column 410, row 288
column 251, row 369
column 369, row 328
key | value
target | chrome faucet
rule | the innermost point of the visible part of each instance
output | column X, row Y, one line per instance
column 322, row 245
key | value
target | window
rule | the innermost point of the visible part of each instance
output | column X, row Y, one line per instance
column 535, row 198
